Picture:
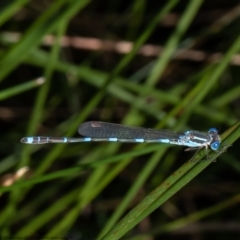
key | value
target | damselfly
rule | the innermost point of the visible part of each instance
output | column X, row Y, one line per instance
column 96, row 131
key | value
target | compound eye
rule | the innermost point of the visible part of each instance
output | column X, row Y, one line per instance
column 215, row 146
column 213, row 130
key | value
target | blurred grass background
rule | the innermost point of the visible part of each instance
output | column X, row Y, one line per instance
column 169, row 64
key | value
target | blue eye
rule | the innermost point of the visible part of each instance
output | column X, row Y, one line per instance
column 215, row 146
column 213, row 130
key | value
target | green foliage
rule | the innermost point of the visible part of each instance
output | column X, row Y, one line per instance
column 111, row 190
